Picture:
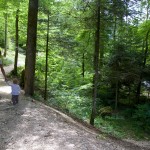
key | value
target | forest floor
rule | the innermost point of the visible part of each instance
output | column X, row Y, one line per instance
column 31, row 125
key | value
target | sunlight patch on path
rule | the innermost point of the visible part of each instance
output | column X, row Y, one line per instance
column 5, row 89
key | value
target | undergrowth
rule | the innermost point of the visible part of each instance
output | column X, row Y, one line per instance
column 74, row 103
column 122, row 128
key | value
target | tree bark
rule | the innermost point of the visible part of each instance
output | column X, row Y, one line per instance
column 31, row 47
column 96, row 65
column 46, row 62
column 17, row 45
column 83, row 65
column 6, row 42
column 117, row 95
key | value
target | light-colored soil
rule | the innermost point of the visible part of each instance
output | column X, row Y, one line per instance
column 35, row 126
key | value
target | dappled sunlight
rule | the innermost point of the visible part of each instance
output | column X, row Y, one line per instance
column 34, row 126
column 5, row 89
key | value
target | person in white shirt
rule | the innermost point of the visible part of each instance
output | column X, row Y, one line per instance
column 15, row 91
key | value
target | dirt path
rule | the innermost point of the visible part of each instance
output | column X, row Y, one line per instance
column 35, row 126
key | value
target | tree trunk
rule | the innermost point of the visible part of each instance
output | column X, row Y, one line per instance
column 46, row 63
column 83, row 64
column 96, row 65
column 138, row 89
column 6, row 42
column 17, row 46
column 117, row 94
column 31, row 47
column 117, row 76
column 102, row 31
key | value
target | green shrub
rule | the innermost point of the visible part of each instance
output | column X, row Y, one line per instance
column 127, row 113
column 7, row 62
column 105, row 111
column 142, row 116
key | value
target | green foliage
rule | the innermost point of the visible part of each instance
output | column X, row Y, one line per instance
column 142, row 116
column 121, row 128
column 71, row 42
column 127, row 113
column 71, row 46
column 19, row 72
column 105, row 111
column 143, row 28
column 127, row 101
column 71, row 102
column 7, row 62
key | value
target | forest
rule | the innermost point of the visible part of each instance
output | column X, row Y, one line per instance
column 88, row 58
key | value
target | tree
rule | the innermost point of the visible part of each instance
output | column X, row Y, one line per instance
column 96, row 65
column 46, row 61
column 17, row 43
column 31, row 47
column 6, row 29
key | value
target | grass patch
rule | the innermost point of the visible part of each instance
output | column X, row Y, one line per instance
column 122, row 128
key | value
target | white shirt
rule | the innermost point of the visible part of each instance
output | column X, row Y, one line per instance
column 15, row 89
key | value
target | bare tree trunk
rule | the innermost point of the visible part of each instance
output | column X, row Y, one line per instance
column 117, row 82
column 83, row 64
column 96, row 66
column 17, row 45
column 6, row 41
column 31, row 47
column 46, row 63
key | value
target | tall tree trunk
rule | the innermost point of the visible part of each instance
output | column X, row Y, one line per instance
column 6, row 40
column 117, row 81
column 117, row 94
column 96, row 65
column 102, row 31
column 17, row 45
column 83, row 64
column 46, row 63
column 31, row 47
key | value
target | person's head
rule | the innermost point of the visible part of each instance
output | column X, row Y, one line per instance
column 15, row 81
